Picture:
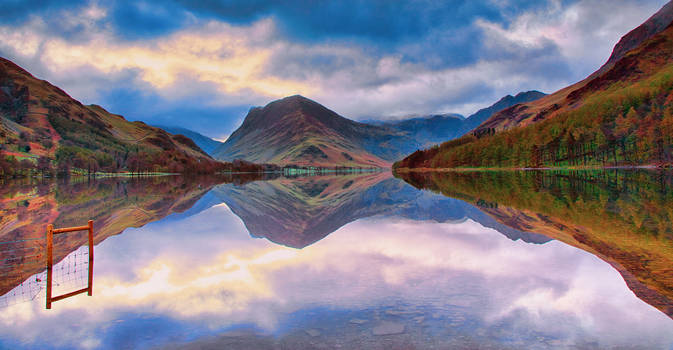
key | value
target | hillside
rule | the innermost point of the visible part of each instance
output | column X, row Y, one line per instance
column 41, row 126
column 207, row 144
column 569, row 97
column 621, row 114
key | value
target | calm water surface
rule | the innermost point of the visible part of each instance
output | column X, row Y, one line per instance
column 530, row 260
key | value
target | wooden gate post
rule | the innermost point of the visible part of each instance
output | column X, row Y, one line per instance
column 90, row 289
column 50, row 259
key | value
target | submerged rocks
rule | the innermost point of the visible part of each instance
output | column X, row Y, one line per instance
column 388, row 328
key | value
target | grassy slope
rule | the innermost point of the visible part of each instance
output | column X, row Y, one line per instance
column 58, row 127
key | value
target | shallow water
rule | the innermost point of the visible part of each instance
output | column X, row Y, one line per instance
column 360, row 261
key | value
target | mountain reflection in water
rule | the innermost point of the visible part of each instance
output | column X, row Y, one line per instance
column 299, row 212
column 624, row 217
column 351, row 261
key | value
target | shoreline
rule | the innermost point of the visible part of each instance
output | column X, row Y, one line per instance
column 472, row 169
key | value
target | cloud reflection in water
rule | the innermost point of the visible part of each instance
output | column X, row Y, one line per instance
column 152, row 287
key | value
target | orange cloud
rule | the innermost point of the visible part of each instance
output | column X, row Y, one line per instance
column 231, row 58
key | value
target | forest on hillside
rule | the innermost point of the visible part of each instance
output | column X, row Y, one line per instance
column 626, row 124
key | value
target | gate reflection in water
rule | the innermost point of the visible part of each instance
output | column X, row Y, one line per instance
column 51, row 231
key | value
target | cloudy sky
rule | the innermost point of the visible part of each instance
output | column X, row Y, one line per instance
column 202, row 65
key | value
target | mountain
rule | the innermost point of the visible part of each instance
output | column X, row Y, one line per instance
column 655, row 24
column 296, row 130
column 434, row 129
column 619, row 115
column 482, row 115
column 572, row 96
column 37, row 119
column 427, row 131
column 423, row 132
column 207, row 144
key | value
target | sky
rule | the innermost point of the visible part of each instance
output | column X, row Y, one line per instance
column 203, row 64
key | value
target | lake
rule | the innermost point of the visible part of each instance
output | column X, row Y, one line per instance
column 452, row 260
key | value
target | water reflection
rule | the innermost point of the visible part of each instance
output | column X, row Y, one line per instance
column 624, row 217
column 113, row 204
column 382, row 265
column 299, row 212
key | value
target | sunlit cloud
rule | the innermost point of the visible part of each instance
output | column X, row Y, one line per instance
column 216, row 53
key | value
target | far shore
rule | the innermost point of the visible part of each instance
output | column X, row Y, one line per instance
column 470, row 169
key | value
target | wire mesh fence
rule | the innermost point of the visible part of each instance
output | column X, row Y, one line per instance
column 28, row 290
column 71, row 273
column 68, row 275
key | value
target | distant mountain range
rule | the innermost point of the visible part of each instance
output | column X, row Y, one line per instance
column 508, row 101
column 430, row 130
column 296, row 130
column 622, row 114
column 206, row 143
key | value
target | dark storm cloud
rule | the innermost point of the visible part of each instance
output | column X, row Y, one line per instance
column 376, row 20
column 18, row 11
column 439, row 33
column 436, row 33
column 59, row 16
column 137, row 20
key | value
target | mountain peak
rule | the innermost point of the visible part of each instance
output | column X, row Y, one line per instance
column 298, row 98
column 533, row 93
column 655, row 24
column 297, row 130
column 507, row 101
column 294, row 101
